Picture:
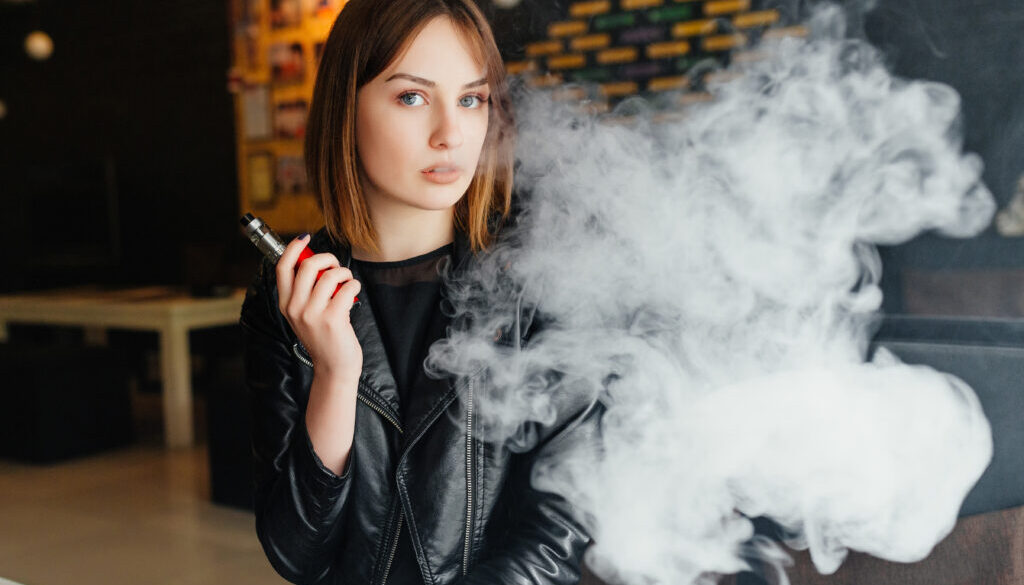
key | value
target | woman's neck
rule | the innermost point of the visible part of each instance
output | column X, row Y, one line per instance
column 409, row 233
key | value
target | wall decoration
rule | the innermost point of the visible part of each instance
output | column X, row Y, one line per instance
column 252, row 10
column 285, row 13
column 248, row 15
column 256, row 112
column 248, row 34
column 290, row 178
column 654, row 48
column 287, row 64
column 261, row 179
column 290, row 119
column 327, row 8
column 276, row 45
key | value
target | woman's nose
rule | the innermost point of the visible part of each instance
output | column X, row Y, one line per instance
column 447, row 131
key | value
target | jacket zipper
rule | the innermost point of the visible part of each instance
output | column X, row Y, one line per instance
column 380, row 411
column 401, row 513
column 297, row 349
column 394, row 548
column 469, row 477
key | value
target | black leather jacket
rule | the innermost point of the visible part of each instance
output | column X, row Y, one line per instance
column 468, row 504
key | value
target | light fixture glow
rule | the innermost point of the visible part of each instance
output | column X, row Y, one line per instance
column 39, row 45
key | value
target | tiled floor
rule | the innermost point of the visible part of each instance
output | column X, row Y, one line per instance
column 140, row 515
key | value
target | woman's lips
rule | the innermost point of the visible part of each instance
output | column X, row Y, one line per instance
column 442, row 175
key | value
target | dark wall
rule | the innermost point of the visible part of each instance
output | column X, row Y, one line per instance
column 976, row 46
column 117, row 155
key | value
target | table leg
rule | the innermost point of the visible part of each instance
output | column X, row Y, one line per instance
column 3, row 331
column 177, row 386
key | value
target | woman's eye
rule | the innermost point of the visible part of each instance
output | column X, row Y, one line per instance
column 471, row 101
column 411, row 99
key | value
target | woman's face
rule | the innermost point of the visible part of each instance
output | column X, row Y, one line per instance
column 420, row 125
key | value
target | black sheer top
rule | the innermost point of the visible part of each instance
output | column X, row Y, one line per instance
column 406, row 297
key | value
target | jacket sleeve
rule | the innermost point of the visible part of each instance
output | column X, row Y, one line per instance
column 299, row 502
column 545, row 543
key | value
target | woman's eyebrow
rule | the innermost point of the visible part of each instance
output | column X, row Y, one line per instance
column 428, row 83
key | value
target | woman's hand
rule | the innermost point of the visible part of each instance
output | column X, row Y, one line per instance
column 320, row 321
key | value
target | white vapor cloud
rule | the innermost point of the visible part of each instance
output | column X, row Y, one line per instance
column 713, row 282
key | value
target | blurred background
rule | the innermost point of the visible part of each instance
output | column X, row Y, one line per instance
column 134, row 134
column 118, row 149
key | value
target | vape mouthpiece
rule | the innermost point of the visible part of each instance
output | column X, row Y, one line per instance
column 263, row 237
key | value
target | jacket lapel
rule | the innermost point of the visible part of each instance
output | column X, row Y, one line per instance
column 377, row 379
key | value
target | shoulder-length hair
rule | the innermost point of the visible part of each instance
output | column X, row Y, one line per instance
column 366, row 37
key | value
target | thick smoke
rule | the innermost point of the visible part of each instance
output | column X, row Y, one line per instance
column 712, row 281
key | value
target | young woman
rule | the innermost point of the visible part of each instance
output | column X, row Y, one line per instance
column 369, row 471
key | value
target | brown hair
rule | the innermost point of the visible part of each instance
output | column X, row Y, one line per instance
column 367, row 36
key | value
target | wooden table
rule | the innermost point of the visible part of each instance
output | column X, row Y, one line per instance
column 169, row 312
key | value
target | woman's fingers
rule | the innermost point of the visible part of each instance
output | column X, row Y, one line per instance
column 326, row 285
column 306, row 275
column 343, row 300
column 285, row 270
column 305, row 278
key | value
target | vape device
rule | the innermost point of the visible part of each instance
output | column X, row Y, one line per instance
column 270, row 244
